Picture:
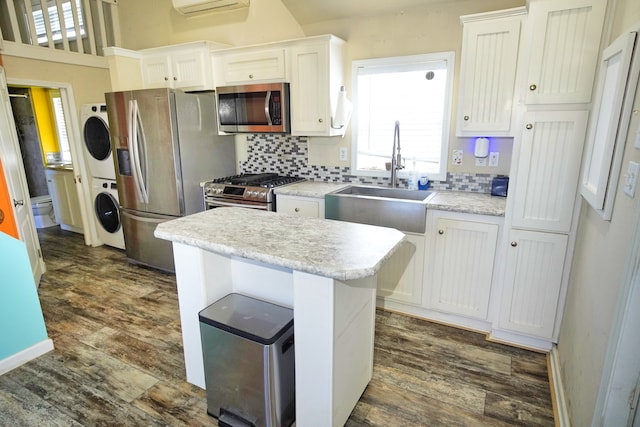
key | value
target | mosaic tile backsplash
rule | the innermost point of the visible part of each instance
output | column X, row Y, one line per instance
column 287, row 155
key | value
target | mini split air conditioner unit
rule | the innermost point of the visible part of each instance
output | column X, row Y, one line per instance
column 193, row 6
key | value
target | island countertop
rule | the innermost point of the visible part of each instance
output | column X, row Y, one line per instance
column 335, row 249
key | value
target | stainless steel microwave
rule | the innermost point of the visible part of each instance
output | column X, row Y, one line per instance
column 254, row 108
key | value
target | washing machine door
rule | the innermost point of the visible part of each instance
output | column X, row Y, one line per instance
column 96, row 138
column 106, row 208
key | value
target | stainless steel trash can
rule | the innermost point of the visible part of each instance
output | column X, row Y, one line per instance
column 248, row 354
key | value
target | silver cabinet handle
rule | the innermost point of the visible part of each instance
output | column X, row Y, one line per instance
column 466, row 117
column 250, row 76
column 514, row 244
column 320, row 120
column 529, row 126
column 533, row 87
column 17, row 203
column 440, row 231
column 296, row 210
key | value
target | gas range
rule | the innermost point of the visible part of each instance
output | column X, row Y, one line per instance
column 246, row 190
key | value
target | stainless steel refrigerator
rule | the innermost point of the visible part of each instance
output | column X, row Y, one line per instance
column 165, row 143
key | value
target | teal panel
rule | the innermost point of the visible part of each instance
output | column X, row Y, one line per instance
column 21, row 320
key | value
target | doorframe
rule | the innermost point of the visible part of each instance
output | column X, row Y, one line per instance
column 80, row 169
column 617, row 399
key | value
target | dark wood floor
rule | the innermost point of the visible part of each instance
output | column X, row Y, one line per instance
column 118, row 359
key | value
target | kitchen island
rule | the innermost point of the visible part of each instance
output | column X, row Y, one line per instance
column 324, row 270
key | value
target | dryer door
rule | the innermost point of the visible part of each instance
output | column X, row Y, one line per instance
column 96, row 138
column 106, row 208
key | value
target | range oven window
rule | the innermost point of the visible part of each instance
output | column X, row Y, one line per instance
column 235, row 191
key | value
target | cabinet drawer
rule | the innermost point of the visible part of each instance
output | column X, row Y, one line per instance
column 254, row 66
column 308, row 208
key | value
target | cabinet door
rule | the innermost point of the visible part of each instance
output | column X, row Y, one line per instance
column 533, row 278
column 190, row 70
column 400, row 278
column 311, row 208
column 548, row 170
column 58, row 192
column 156, row 72
column 488, row 72
column 461, row 270
column 564, row 50
column 259, row 66
column 310, row 110
column 73, row 201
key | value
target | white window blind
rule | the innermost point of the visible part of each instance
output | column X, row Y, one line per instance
column 55, row 21
column 61, row 127
column 414, row 90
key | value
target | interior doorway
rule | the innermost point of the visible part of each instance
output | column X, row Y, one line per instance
column 41, row 126
column 73, row 181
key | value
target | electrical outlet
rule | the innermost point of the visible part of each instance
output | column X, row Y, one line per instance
column 343, row 154
column 481, row 161
column 630, row 179
column 456, row 157
column 494, row 157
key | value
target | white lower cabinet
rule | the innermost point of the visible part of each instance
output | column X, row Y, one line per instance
column 460, row 265
column 64, row 198
column 533, row 278
column 401, row 279
column 305, row 206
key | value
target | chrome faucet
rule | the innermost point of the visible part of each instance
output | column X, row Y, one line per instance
column 396, row 158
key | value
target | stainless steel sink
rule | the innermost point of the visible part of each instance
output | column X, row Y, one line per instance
column 404, row 210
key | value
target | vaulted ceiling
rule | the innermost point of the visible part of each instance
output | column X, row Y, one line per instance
column 311, row 11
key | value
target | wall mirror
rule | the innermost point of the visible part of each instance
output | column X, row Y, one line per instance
column 609, row 123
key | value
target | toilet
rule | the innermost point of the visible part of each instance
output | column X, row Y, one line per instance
column 43, row 211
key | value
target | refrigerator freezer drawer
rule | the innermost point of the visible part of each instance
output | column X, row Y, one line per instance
column 142, row 247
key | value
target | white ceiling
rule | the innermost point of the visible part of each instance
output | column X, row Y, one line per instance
column 312, row 11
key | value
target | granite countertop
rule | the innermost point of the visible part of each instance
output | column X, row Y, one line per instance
column 466, row 202
column 335, row 249
column 454, row 201
column 313, row 189
column 60, row 167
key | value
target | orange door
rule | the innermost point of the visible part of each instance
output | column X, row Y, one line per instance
column 7, row 220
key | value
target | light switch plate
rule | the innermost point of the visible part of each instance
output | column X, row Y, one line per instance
column 343, row 154
column 637, row 143
column 481, row 161
column 494, row 158
column 630, row 179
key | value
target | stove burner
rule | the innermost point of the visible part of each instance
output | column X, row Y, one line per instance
column 265, row 180
column 253, row 179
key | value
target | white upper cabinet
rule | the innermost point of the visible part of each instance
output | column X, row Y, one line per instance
column 490, row 44
column 563, row 52
column 186, row 67
column 316, row 77
column 258, row 65
column 548, row 170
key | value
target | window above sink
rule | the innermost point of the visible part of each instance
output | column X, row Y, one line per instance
column 414, row 90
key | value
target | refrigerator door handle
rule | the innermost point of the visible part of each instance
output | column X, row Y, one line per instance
column 135, row 154
column 267, row 110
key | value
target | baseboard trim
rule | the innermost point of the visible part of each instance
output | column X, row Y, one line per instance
column 9, row 363
column 560, row 411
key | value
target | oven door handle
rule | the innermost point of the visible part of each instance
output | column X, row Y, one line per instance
column 267, row 109
column 221, row 204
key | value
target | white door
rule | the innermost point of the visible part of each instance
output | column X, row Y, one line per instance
column 17, row 182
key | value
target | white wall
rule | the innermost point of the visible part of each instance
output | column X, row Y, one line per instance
column 601, row 252
column 151, row 23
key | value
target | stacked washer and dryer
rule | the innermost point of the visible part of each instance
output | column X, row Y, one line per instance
column 104, row 190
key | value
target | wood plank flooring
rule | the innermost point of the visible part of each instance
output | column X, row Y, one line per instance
column 118, row 359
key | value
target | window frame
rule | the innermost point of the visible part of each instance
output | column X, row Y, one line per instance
column 397, row 63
